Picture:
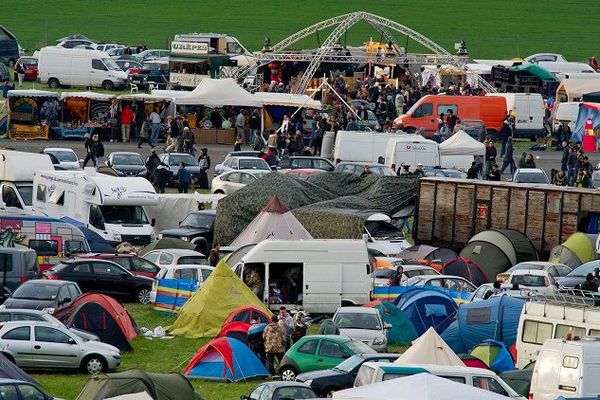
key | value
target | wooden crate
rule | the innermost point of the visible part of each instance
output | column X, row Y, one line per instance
column 225, row 136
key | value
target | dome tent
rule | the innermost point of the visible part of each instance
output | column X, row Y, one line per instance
column 427, row 308
column 402, row 330
column 496, row 250
column 578, row 249
column 467, row 269
column 429, row 253
column 495, row 355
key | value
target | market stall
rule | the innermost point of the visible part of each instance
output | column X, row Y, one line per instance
column 83, row 113
column 31, row 113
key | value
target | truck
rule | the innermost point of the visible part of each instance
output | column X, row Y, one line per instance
column 113, row 207
column 16, row 177
column 450, row 211
column 529, row 110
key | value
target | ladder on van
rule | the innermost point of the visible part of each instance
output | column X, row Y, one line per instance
column 568, row 297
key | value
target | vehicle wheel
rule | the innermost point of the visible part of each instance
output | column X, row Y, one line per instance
column 94, row 365
column 288, row 374
column 53, row 83
column 219, row 191
column 108, row 85
column 329, row 392
column 143, row 295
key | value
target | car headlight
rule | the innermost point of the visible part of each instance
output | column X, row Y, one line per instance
column 379, row 341
column 308, row 382
column 185, row 238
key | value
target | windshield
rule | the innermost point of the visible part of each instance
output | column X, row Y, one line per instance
column 357, row 321
column 124, row 215
column 127, row 159
column 350, row 364
column 456, row 174
column 383, row 230
column 521, row 266
column 528, row 177
column 111, row 64
column 198, row 221
column 192, row 260
column 26, row 192
column 383, row 273
column 359, row 347
column 188, row 160
column 36, row 292
column 257, row 163
column 293, row 392
column 61, row 156
column 529, row 280
column 585, row 269
column 385, row 171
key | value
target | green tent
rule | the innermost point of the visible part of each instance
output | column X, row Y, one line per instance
column 158, row 386
column 579, row 248
column 402, row 331
column 534, row 70
column 167, row 243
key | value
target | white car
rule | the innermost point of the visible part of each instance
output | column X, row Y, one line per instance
column 35, row 344
column 237, row 163
column 382, row 276
column 165, row 257
column 232, row 181
column 545, row 57
column 538, row 280
column 449, row 282
column 487, row 290
column 193, row 272
column 531, row 175
column 363, row 324
column 66, row 158
column 23, row 314
column 383, row 236
column 554, row 269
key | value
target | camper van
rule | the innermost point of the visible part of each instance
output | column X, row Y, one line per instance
column 111, row 206
column 364, row 147
column 59, row 66
column 565, row 113
column 566, row 368
column 410, row 150
column 541, row 321
column 52, row 239
column 425, row 112
column 315, row 275
column 16, row 177
column 529, row 110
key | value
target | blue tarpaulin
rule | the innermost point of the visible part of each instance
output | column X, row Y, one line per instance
column 586, row 110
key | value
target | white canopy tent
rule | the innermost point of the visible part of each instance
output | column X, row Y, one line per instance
column 459, row 150
column 218, row 93
column 430, row 348
column 88, row 95
column 288, row 100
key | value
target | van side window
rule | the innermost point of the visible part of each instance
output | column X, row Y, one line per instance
column 41, row 193
column 561, row 331
column 10, row 198
column 570, row 362
column 74, row 246
column 424, row 110
column 44, row 247
column 536, row 332
column 490, row 384
column 594, row 332
column 458, row 379
column 443, row 109
column 6, row 263
column 97, row 64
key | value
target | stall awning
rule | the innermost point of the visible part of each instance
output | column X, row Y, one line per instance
column 31, row 93
column 147, row 98
column 219, row 92
column 189, row 60
column 88, row 95
column 288, row 100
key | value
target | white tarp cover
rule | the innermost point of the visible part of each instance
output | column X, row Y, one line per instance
column 31, row 93
column 417, row 387
column 88, row 95
column 288, row 100
column 218, row 93
column 430, row 348
column 574, row 89
column 461, row 144
column 171, row 209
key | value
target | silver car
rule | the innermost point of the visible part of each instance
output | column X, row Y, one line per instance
column 237, row 163
column 35, row 344
column 232, row 181
column 363, row 324
column 22, row 314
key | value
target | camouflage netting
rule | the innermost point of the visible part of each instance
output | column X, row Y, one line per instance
column 330, row 206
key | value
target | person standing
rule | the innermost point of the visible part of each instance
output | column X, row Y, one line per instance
column 286, row 322
column 144, row 133
column 97, row 149
column 204, row 164
column 254, row 125
column 113, row 113
column 155, row 121
column 240, row 121
column 20, row 70
column 272, row 140
column 183, row 177
column 162, row 175
column 494, row 174
column 126, row 121
column 273, row 339
column 88, row 144
column 505, row 133
column 589, row 285
column 490, row 156
column 571, row 165
column 565, row 157
column 152, row 164
column 173, row 138
column 509, row 158
column 473, row 172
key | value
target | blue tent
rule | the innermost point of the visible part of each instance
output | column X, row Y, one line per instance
column 495, row 318
column 586, row 110
column 96, row 242
column 495, row 355
column 427, row 308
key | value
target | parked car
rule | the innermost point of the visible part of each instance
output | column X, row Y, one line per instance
column 342, row 376
column 65, row 157
column 357, row 168
column 154, row 72
column 243, row 153
column 129, row 163
column 545, row 57
column 21, row 265
column 117, row 52
column 43, row 295
column 475, row 128
column 280, row 390
column 197, row 227
column 539, row 280
column 318, row 352
column 18, row 314
column 22, row 390
column 192, row 272
column 487, row 290
column 306, row 162
column 10, row 50
column 301, row 174
column 450, row 282
column 152, row 54
column 165, row 257
column 71, row 43
column 31, row 70
column 384, row 236
column 363, row 324
column 555, row 270
column 108, row 46
column 445, row 173
column 383, row 276
column 531, row 175
column 236, row 163
column 135, row 264
column 232, row 181
column 102, row 276
column 173, row 160
column 577, row 276
column 129, row 66
column 36, row 344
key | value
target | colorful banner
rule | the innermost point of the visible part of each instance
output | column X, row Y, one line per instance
column 171, row 294
column 27, row 132
column 76, row 109
column 389, row 293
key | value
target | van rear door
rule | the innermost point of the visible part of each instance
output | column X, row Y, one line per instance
column 570, row 365
column 322, row 291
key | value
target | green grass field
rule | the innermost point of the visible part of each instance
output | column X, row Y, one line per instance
column 491, row 29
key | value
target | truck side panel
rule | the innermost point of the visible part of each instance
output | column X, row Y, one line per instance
column 463, row 227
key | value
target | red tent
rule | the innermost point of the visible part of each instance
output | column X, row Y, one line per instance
column 247, row 314
column 467, row 269
column 472, row 361
column 235, row 329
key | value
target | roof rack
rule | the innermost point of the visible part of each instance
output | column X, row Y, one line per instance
column 571, row 297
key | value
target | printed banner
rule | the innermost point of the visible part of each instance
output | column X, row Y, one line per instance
column 171, row 294
column 389, row 293
column 27, row 132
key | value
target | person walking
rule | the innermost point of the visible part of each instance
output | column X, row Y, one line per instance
column 88, row 144
column 173, row 137
column 20, row 70
column 155, row 121
column 508, row 159
column 97, row 149
column 490, row 156
column 273, row 339
column 286, row 322
column 126, row 121
column 505, row 134
column 162, row 175
column 254, row 125
column 152, row 164
column 144, row 133
column 571, row 166
column 204, row 164
column 183, row 177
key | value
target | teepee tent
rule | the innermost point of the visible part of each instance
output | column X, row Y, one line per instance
column 275, row 221
column 206, row 311
column 430, row 348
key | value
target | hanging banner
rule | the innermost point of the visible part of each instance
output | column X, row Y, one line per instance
column 76, row 109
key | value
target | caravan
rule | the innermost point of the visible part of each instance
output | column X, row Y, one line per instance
column 111, row 206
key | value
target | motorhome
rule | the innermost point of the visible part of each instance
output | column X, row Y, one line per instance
column 16, row 177
column 315, row 275
column 529, row 110
column 358, row 146
column 111, row 206
column 411, row 150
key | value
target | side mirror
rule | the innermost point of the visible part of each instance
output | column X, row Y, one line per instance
column 72, row 341
column 153, row 222
column 66, row 300
column 387, row 325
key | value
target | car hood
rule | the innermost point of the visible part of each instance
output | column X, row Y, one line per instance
column 326, row 373
column 129, row 168
column 29, row 304
column 100, row 347
column 389, row 247
column 570, row 281
column 181, row 232
column 361, row 334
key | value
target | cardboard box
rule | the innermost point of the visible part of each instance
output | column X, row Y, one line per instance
column 226, row 136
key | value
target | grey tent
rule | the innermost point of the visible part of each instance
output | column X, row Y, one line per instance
column 9, row 370
column 424, row 252
column 578, row 249
column 497, row 250
column 519, row 379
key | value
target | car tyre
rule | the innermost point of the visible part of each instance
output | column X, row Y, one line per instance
column 94, row 365
column 288, row 374
column 143, row 295
column 108, row 85
column 219, row 191
column 328, row 392
column 53, row 83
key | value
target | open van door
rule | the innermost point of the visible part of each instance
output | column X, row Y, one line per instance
column 322, row 292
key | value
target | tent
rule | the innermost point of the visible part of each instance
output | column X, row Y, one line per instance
column 460, row 150
column 275, row 221
column 96, row 242
column 218, row 93
column 225, row 359
column 402, row 331
column 427, row 308
column 247, row 314
column 574, row 89
column 586, row 111
column 495, row 318
column 495, row 355
column 472, row 361
column 101, row 315
column 467, row 269
column 578, row 249
column 206, row 311
column 237, row 330
column 496, row 250
column 519, row 379
column 430, row 253
column 430, row 348
column 172, row 294
column 167, row 243
column 159, row 386
column 9, row 370
column 417, row 387
column 132, row 396
column 288, row 100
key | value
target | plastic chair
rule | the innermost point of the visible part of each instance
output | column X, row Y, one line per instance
column 134, row 88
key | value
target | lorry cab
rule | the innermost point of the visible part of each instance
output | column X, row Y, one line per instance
column 316, row 275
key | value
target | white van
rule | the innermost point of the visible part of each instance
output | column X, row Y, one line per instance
column 565, row 113
column 357, row 146
column 410, row 149
column 16, row 177
column 541, row 321
column 529, row 108
column 111, row 206
column 373, row 372
column 566, row 368
column 79, row 67
column 315, row 275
